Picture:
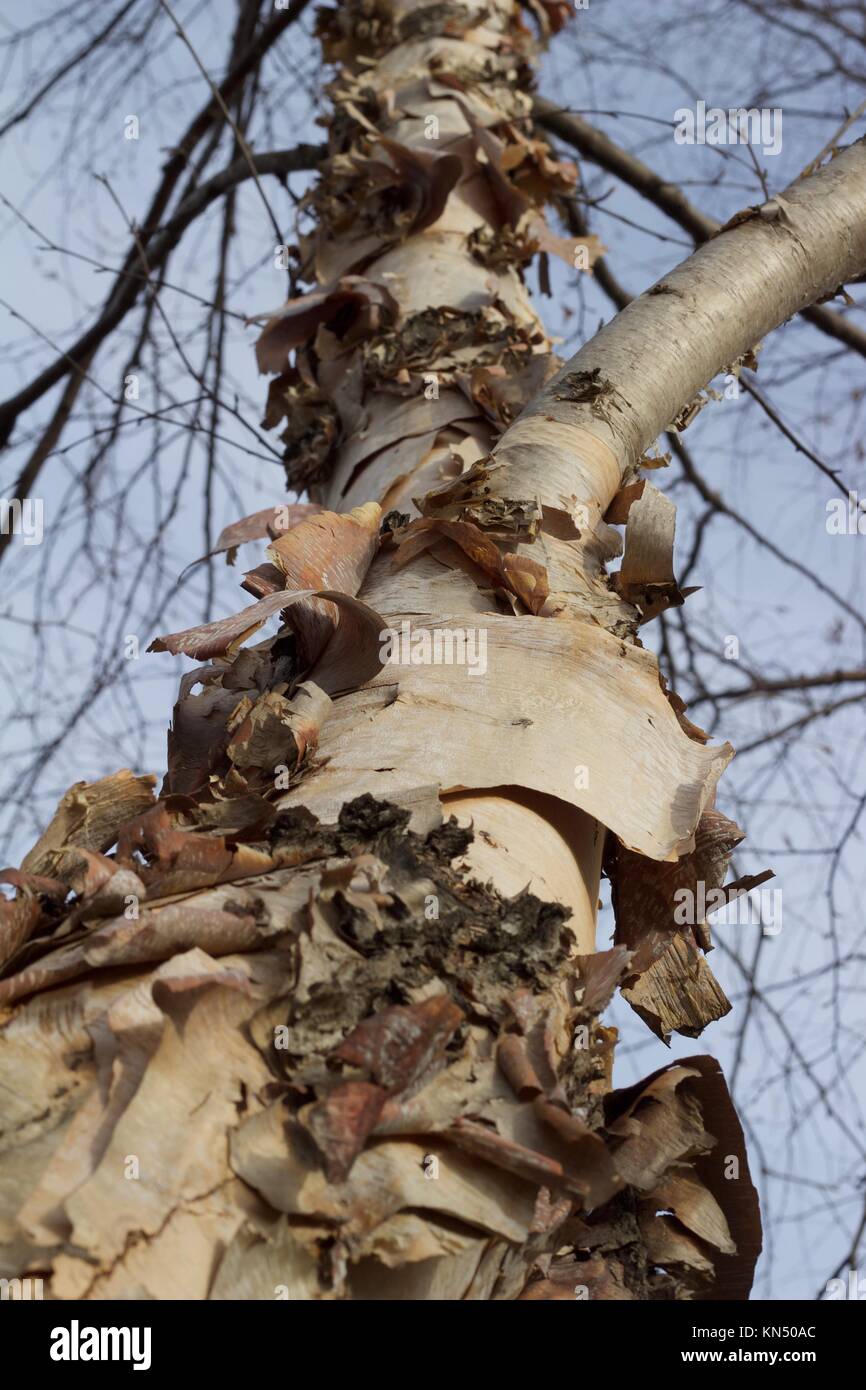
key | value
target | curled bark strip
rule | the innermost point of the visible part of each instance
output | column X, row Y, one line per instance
column 31, row 884
column 600, row 736
column 654, row 902
column 520, row 574
column 89, row 816
column 678, row 992
column 270, row 521
column 361, row 307
column 330, row 551
column 18, row 921
column 646, row 577
column 350, row 658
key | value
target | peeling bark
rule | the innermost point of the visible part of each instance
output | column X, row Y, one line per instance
column 336, row 1142
column 323, row 1020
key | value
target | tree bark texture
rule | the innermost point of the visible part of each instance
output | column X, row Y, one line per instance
column 322, row 1019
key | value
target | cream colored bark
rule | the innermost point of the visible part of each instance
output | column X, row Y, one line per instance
column 566, row 457
column 340, row 1062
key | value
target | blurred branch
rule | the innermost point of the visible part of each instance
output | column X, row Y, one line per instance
column 119, row 299
column 66, row 68
column 79, row 357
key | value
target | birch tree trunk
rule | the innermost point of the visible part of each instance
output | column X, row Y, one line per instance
column 322, row 1020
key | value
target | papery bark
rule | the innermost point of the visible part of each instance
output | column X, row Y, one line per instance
column 343, row 1045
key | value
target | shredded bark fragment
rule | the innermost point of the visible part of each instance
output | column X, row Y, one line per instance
column 464, row 1098
column 345, row 1064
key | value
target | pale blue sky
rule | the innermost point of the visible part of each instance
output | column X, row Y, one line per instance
column 624, row 56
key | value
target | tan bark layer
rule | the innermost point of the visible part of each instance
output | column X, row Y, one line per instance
column 410, row 1091
column 354, row 1075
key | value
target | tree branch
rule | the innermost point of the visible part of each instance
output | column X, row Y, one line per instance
column 118, row 300
column 669, row 199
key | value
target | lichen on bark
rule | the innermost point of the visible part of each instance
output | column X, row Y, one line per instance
column 353, row 1047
